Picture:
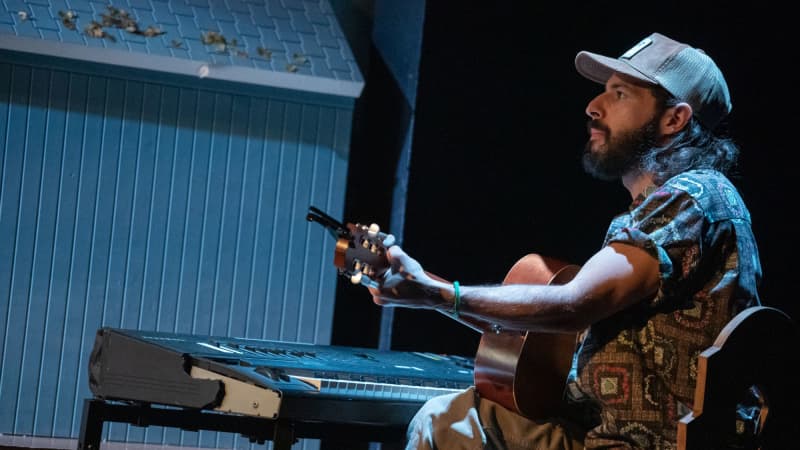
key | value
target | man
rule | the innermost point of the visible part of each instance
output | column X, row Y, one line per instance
column 672, row 271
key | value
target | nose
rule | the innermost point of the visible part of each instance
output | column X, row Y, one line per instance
column 593, row 108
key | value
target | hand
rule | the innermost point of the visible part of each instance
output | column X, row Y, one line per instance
column 406, row 284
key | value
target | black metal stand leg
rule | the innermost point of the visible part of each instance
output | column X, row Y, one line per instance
column 283, row 436
column 91, row 426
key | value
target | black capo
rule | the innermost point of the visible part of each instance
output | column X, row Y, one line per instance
column 336, row 228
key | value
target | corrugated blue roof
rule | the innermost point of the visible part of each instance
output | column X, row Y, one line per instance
column 292, row 44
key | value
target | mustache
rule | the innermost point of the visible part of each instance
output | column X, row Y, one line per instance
column 596, row 124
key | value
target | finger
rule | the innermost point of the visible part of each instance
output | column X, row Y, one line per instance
column 397, row 256
column 370, row 284
column 394, row 251
column 402, row 263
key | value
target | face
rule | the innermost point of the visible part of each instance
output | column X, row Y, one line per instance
column 623, row 124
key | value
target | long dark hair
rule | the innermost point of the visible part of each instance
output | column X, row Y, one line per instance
column 694, row 147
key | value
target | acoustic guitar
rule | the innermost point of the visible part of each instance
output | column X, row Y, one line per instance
column 521, row 370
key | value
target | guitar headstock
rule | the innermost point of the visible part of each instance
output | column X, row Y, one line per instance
column 363, row 252
column 360, row 249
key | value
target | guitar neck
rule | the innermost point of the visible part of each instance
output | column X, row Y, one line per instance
column 478, row 325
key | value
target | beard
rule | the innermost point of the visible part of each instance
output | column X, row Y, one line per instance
column 622, row 154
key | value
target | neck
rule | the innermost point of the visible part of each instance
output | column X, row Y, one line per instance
column 637, row 182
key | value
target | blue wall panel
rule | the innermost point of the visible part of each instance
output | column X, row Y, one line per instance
column 138, row 204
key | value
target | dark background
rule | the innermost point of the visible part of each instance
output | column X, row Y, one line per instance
column 499, row 126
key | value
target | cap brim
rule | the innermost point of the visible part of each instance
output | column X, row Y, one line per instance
column 599, row 68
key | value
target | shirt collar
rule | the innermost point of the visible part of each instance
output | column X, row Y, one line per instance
column 642, row 196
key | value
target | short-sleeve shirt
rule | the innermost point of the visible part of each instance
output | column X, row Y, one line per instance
column 634, row 373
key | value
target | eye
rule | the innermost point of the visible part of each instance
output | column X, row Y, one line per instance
column 620, row 94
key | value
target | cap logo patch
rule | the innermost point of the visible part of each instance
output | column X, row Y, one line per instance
column 637, row 48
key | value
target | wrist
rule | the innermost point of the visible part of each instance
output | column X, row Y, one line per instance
column 451, row 299
column 456, row 299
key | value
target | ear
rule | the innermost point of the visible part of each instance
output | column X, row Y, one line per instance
column 675, row 118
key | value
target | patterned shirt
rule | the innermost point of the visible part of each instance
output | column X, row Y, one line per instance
column 634, row 373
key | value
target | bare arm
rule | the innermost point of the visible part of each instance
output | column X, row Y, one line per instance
column 614, row 278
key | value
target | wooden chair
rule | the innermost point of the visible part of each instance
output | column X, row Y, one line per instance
column 758, row 349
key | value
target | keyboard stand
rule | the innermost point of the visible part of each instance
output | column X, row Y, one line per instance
column 282, row 432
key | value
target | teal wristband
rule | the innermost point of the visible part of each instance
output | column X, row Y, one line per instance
column 456, row 298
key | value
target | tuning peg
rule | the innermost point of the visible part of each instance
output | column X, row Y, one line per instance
column 356, row 278
column 373, row 230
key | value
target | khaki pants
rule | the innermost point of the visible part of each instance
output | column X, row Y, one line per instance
column 464, row 421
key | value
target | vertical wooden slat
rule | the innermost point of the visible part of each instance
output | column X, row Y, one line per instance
column 172, row 305
column 158, row 309
column 176, row 210
column 7, row 228
column 124, row 218
column 254, row 220
column 42, row 279
column 301, row 198
column 283, row 214
column 102, row 299
column 140, row 114
column 34, row 252
column 191, row 283
column 64, row 186
column 265, row 226
column 320, row 249
column 241, row 290
column 79, row 126
column 216, row 203
column 275, row 178
column 13, row 219
column 147, row 238
column 192, row 317
column 228, row 309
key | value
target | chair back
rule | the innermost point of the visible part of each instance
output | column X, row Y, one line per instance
column 755, row 352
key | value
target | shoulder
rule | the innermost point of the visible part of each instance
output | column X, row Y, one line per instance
column 712, row 191
column 698, row 183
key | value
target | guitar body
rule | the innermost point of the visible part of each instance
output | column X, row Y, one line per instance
column 526, row 372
